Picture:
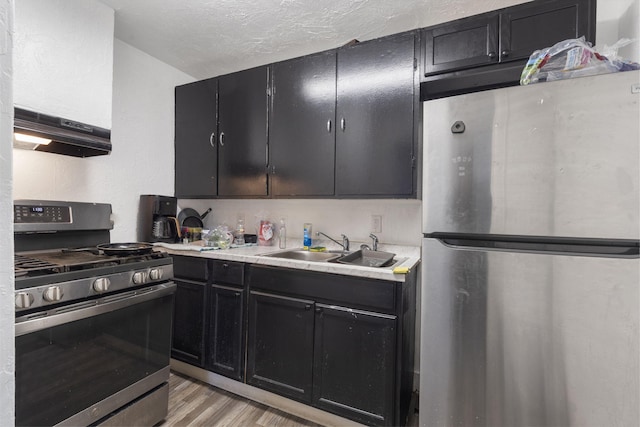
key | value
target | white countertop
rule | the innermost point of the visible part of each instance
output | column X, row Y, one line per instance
column 408, row 256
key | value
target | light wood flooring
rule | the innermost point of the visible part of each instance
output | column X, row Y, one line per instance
column 193, row 403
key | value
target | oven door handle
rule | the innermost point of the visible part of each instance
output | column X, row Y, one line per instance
column 46, row 319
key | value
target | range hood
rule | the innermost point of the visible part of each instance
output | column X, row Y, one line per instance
column 59, row 135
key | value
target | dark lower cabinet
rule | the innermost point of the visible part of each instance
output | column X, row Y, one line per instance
column 225, row 349
column 341, row 344
column 189, row 322
column 354, row 362
column 280, row 345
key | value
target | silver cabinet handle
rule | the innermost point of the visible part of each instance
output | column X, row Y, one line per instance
column 212, row 139
column 343, row 123
column 329, row 125
column 222, row 139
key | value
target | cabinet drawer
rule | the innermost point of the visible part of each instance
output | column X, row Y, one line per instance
column 190, row 268
column 356, row 292
column 228, row 272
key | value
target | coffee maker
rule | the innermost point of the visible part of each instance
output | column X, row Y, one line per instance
column 157, row 220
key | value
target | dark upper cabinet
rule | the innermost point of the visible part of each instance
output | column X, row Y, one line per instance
column 375, row 118
column 301, row 126
column 280, row 345
column 460, row 44
column 490, row 50
column 540, row 24
column 242, row 133
column 196, row 155
column 354, row 364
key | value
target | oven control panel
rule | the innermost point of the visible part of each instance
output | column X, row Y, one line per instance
column 41, row 214
column 46, row 216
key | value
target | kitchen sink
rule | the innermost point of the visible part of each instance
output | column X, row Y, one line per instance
column 303, row 255
column 361, row 258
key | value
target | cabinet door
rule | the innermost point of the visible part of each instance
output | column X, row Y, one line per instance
column 375, row 118
column 225, row 345
column 301, row 127
column 354, row 364
column 465, row 43
column 196, row 155
column 280, row 345
column 242, row 110
column 188, row 322
column 540, row 24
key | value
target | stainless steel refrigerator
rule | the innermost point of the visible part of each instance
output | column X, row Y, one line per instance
column 530, row 302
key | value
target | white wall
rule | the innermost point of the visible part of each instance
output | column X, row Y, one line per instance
column 617, row 19
column 142, row 137
column 64, row 59
column 7, row 353
column 400, row 218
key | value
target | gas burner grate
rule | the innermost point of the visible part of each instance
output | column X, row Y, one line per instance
column 24, row 265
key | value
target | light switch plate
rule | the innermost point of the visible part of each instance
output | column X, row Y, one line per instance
column 376, row 223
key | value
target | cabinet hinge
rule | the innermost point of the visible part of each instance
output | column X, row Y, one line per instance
column 415, row 64
column 269, row 91
column 413, row 161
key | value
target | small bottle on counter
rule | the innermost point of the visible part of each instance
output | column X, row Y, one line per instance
column 307, row 233
column 239, row 240
column 282, row 235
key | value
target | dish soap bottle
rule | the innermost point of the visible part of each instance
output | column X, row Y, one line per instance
column 282, row 235
column 306, row 240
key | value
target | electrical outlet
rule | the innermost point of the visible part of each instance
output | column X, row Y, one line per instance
column 376, row 223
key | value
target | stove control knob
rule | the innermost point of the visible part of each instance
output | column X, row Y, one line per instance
column 24, row 300
column 155, row 274
column 101, row 284
column 139, row 277
column 52, row 294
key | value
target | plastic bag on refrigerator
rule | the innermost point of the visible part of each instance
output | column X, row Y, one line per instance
column 574, row 58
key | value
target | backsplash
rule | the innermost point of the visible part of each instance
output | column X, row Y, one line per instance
column 401, row 219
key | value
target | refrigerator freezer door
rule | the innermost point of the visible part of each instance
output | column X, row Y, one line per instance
column 524, row 339
column 551, row 159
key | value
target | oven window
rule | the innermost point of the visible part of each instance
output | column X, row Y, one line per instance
column 65, row 369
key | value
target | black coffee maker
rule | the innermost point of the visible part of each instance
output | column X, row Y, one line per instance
column 157, row 220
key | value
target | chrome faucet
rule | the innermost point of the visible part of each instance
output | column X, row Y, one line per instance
column 375, row 241
column 345, row 240
column 366, row 247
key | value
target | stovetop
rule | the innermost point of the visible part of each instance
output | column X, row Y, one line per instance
column 43, row 263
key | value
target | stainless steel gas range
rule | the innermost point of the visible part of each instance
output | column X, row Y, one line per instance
column 93, row 319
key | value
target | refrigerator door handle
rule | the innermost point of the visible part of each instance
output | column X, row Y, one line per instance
column 551, row 245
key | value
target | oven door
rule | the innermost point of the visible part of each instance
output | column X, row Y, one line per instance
column 77, row 364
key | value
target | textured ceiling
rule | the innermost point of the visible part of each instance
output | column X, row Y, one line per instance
column 205, row 38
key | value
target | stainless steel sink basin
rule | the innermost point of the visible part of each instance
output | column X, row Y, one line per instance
column 366, row 258
column 302, row 255
column 362, row 258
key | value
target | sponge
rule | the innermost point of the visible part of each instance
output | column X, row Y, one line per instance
column 317, row 249
column 401, row 270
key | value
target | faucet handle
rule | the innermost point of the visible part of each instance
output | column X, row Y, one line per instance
column 345, row 242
